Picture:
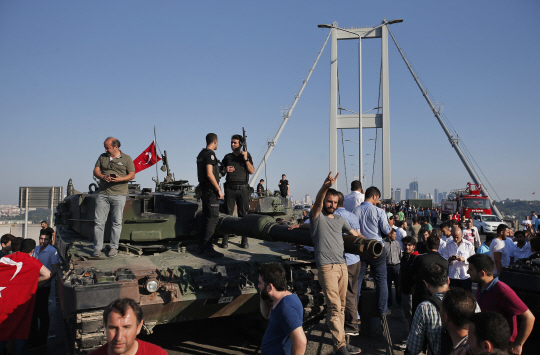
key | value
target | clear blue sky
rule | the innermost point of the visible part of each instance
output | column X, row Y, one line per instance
column 75, row 72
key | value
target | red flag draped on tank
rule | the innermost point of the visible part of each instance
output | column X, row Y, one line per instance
column 19, row 275
column 147, row 158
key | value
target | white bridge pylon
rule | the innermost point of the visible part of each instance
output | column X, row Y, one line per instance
column 355, row 121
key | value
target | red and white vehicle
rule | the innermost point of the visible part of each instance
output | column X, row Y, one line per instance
column 467, row 202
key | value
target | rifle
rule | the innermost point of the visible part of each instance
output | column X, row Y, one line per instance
column 244, row 139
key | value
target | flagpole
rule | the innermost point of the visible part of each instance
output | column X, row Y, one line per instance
column 155, row 153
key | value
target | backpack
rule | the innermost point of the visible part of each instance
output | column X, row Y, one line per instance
column 447, row 345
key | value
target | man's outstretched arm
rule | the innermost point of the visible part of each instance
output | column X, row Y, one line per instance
column 317, row 206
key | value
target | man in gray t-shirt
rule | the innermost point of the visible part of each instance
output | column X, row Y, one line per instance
column 327, row 233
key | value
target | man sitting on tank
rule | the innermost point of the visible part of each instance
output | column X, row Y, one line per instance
column 123, row 320
column 284, row 334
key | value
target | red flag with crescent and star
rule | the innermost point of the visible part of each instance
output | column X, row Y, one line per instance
column 19, row 274
column 147, row 158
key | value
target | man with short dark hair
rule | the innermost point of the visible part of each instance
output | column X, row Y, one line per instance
column 373, row 224
column 355, row 198
column 457, row 307
column 238, row 166
column 260, row 188
column 415, row 228
column 284, row 186
column 426, row 225
column 327, row 234
column 488, row 333
column 406, row 281
column 426, row 324
column 495, row 295
column 432, row 256
column 20, row 275
column 6, row 244
column 521, row 250
column 284, row 334
column 208, row 175
column 47, row 230
column 123, row 320
column 470, row 233
column 16, row 244
column 48, row 255
column 114, row 169
column 393, row 259
column 498, row 250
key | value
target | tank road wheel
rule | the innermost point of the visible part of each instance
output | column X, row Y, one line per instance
column 85, row 331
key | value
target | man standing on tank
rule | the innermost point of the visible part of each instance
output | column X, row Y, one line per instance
column 114, row 169
column 284, row 186
column 208, row 175
column 238, row 165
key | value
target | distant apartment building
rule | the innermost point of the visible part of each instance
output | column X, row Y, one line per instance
column 436, row 196
column 407, row 194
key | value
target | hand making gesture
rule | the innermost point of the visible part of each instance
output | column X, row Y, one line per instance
column 329, row 181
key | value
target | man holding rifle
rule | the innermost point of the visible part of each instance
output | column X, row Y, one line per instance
column 238, row 165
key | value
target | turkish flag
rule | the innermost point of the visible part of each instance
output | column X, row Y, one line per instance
column 147, row 158
column 19, row 275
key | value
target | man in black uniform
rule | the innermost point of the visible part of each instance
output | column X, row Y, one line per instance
column 238, row 165
column 260, row 188
column 284, row 186
column 208, row 175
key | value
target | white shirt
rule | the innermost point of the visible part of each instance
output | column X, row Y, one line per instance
column 472, row 236
column 353, row 200
column 442, row 245
column 499, row 246
column 400, row 234
column 458, row 269
column 521, row 253
column 526, row 221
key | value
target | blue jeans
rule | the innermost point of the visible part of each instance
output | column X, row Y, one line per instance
column 378, row 272
column 19, row 347
column 104, row 204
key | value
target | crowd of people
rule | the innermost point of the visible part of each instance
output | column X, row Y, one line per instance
column 431, row 269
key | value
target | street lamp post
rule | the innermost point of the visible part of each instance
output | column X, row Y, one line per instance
column 360, row 76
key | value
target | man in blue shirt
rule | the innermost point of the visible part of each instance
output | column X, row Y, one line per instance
column 353, row 270
column 373, row 222
column 48, row 255
column 284, row 334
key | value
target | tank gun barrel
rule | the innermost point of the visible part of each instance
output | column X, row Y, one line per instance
column 265, row 228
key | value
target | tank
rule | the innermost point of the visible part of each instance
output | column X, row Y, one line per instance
column 524, row 278
column 158, row 267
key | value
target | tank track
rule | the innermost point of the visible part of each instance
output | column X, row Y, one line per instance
column 86, row 331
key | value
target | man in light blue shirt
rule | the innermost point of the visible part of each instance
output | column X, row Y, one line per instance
column 373, row 222
column 353, row 270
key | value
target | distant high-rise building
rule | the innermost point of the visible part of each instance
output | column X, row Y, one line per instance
column 392, row 194
column 413, row 194
column 444, row 195
column 429, row 196
column 397, row 195
column 407, row 194
column 439, row 197
column 413, row 186
column 308, row 199
column 436, row 196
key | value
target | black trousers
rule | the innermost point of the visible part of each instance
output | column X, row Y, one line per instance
column 210, row 213
column 39, row 332
column 392, row 274
column 464, row 284
column 351, row 300
column 283, row 193
column 239, row 197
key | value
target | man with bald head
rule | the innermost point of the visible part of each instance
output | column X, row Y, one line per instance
column 114, row 169
column 457, row 251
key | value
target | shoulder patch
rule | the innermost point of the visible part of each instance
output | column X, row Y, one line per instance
column 212, row 157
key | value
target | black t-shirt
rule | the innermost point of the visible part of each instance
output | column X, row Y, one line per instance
column 284, row 185
column 240, row 173
column 47, row 231
column 260, row 188
column 207, row 157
